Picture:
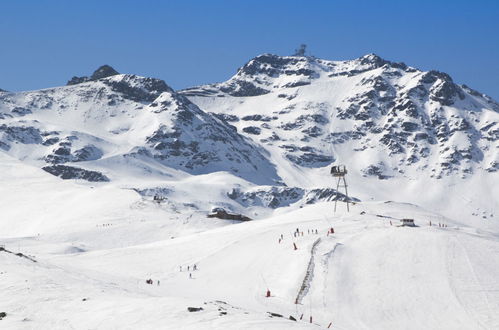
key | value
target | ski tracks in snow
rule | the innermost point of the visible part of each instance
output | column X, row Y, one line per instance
column 479, row 298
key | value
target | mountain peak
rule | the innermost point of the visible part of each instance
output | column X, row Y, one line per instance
column 372, row 58
column 273, row 65
column 103, row 71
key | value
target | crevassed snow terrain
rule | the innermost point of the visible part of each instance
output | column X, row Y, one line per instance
column 81, row 166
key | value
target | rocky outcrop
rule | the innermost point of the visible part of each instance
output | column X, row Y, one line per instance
column 137, row 88
column 275, row 197
column 197, row 142
column 102, row 72
column 70, row 172
column 220, row 213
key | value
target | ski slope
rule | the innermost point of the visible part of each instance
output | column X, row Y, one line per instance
column 367, row 275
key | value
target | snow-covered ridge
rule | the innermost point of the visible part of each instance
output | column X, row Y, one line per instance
column 420, row 120
column 267, row 72
column 280, row 121
column 107, row 182
column 124, row 115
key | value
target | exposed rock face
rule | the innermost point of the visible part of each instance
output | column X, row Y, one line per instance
column 194, row 141
column 220, row 213
column 102, row 72
column 138, row 89
column 77, row 80
column 194, row 309
column 64, row 151
column 275, row 197
column 418, row 120
column 70, row 172
column 377, row 170
column 18, row 134
column 88, row 152
column 272, row 197
column 252, row 130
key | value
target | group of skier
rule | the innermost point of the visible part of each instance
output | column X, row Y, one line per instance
column 151, row 282
column 189, row 269
column 298, row 233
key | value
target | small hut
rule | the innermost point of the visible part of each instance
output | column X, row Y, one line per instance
column 407, row 222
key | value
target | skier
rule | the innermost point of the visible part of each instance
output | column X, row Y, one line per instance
column 295, row 247
column 190, row 275
column 180, row 268
column 268, row 293
column 158, row 282
column 188, row 268
column 195, row 267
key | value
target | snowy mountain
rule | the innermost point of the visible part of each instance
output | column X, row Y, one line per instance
column 108, row 181
column 121, row 117
column 382, row 119
column 421, row 120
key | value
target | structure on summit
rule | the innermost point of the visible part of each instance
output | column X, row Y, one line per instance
column 300, row 51
column 339, row 172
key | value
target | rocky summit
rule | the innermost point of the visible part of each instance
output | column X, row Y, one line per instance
column 416, row 122
column 102, row 72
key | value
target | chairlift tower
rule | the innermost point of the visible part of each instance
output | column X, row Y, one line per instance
column 339, row 172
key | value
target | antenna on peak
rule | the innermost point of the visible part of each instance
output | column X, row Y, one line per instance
column 300, row 51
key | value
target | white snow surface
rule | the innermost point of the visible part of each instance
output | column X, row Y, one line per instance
column 76, row 254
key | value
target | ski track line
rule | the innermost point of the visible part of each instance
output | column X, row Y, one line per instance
column 325, row 263
column 309, row 274
column 456, row 283
column 482, row 292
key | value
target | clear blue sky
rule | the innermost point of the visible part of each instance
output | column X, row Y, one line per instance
column 45, row 42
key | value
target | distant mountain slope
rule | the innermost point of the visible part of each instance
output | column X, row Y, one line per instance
column 124, row 116
column 400, row 119
column 279, row 124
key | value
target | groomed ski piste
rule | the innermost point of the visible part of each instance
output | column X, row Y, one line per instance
column 94, row 246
